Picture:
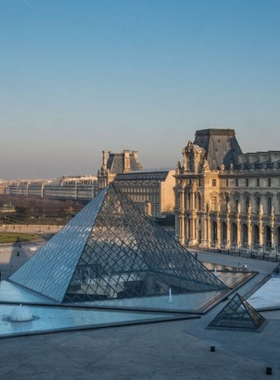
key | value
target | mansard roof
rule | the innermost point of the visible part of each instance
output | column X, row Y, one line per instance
column 115, row 162
column 143, row 175
column 220, row 145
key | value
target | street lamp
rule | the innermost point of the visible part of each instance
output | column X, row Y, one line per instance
column 19, row 237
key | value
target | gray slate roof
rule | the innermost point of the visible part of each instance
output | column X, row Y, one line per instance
column 220, row 145
column 115, row 163
column 143, row 176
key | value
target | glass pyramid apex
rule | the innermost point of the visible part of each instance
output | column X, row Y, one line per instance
column 110, row 250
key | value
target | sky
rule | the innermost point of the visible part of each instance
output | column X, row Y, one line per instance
column 80, row 76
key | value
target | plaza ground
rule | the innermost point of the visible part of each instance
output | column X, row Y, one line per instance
column 158, row 351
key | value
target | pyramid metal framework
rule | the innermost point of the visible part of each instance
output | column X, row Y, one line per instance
column 112, row 250
column 238, row 314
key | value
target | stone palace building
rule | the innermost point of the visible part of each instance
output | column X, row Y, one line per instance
column 226, row 199
column 151, row 190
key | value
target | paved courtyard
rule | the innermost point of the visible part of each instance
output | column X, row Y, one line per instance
column 158, row 351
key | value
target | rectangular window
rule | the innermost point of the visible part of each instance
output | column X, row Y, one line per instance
column 236, row 182
column 258, row 182
column 269, row 182
column 227, row 182
column 247, row 182
column 247, row 202
column 258, row 203
column 269, row 205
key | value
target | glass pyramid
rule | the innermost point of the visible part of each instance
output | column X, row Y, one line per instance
column 110, row 250
column 238, row 314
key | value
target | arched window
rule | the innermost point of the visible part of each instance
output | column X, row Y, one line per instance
column 224, row 232
column 214, row 232
column 244, row 235
column 214, row 183
column 233, row 234
column 256, row 236
column 267, row 236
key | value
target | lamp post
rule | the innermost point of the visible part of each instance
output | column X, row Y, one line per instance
column 19, row 237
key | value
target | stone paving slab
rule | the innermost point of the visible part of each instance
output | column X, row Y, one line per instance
column 155, row 352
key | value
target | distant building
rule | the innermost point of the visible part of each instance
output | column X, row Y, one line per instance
column 116, row 163
column 75, row 188
column 152, row 191
column 226, row 199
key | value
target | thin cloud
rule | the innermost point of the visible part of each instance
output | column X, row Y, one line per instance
column 34, row 11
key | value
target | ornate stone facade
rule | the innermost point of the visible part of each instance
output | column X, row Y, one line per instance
column 225, row 199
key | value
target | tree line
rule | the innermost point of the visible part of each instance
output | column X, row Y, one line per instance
column 21, row 209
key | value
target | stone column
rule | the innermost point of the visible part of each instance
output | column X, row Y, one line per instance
column 228, row 232
column 261, row 226
column 182, row 229
column 209, row 229
column 272, row 234
column 249, row 231
column 204, row 242
column 218, row 243
column 260, row 232
column 182, row 214
column 177, row 225
column 238, row 230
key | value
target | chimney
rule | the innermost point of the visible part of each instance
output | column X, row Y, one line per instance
column 126, row 154
column 135, row 154
column 104, row 165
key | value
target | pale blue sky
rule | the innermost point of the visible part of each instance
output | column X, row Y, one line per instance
column 80, row 76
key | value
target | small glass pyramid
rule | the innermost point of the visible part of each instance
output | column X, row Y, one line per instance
column 110, row 250
column 238, row 314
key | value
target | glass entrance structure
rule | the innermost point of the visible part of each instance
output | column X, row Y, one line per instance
column 238, row 314
column 112, row 250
